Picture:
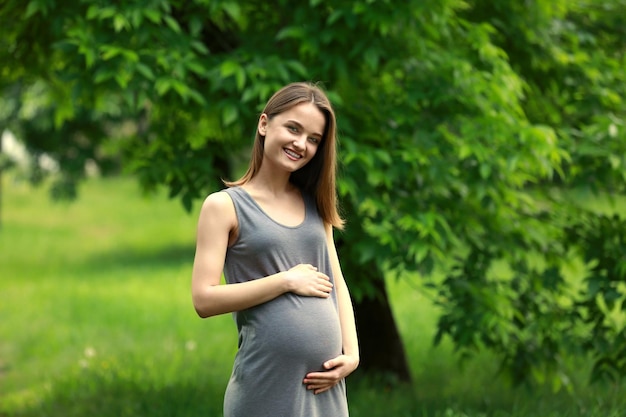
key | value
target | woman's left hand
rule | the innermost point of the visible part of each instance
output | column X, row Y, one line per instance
column 336, row 370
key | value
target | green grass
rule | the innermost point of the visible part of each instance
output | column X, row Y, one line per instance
column 96, row 320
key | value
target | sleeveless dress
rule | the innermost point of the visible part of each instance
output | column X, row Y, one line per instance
column 282, row 340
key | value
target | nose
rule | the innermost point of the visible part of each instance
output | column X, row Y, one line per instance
column 299, row 142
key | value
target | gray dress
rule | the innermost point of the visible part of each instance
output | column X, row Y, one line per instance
column 281, row 340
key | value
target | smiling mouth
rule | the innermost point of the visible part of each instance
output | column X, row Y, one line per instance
column 292, row 154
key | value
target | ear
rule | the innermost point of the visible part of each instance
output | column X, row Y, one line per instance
column 262, row 127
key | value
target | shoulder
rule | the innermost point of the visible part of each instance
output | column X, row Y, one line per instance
column 218, row 200
column 219, row 206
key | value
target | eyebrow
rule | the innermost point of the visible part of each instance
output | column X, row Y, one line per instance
column 295, row 122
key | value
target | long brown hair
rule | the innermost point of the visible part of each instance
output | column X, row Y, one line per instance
column 318, row 177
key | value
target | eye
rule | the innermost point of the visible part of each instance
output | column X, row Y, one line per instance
column 292, row 128
column 314, row 140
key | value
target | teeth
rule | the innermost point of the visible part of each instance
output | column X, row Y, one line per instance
column 292, row 153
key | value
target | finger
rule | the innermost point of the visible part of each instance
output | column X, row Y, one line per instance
column 334, row 362
column 323, row 276
column 323, row 294
column 320, row 384
column 318, row 389
column 317, row 377
column 325, row 284
column 324, row 388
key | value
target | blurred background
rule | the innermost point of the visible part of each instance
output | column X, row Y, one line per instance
column 482, row 173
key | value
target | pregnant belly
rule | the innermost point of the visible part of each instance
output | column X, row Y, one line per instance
column 293, row 329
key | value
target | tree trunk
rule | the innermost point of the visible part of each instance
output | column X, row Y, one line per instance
column 382, row 351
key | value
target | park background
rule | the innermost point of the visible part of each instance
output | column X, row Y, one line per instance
column 482, row 174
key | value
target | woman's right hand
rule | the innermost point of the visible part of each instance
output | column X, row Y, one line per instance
column 306, row 280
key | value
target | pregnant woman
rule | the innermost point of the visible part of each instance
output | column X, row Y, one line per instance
column 271, row 234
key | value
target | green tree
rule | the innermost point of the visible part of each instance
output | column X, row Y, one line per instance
column 569, row 57
column 464, row 127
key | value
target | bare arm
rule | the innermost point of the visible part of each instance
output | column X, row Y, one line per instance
column 216, row 223
column 346, row 311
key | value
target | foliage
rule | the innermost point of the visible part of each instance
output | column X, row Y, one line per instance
column 568, row 57
column 603, row 240
column 465, row 126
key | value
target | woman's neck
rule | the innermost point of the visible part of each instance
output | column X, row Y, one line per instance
column 276, row 185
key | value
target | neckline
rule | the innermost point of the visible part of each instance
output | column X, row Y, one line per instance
column 258, row 206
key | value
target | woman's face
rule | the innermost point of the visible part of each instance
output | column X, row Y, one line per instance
column 292, row 137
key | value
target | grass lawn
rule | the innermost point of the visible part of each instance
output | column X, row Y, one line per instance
column 96, row 320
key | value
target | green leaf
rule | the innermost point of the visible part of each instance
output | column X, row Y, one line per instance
column 33, row 8
column 229, row 68
column 234, row 11
column 240, row 77
column 106, row 13
column 108, row 52
column 197, row 97
column 298, row 68
column 120, row 23
column 290, row 32
column 229, row 114
column 199, row 46
column 172, row 24
column 163, row 86
column 485, row 170
column 103, row 74
column 145, row 70
column 153, row 15
column 93, row 11
column 196, row 67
